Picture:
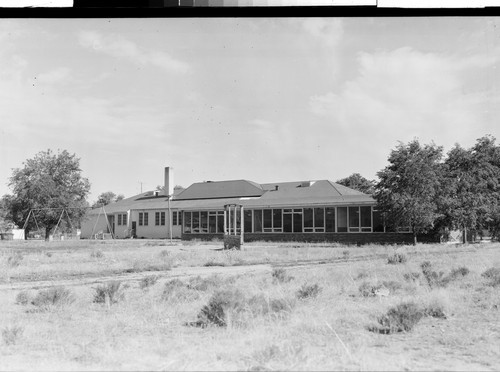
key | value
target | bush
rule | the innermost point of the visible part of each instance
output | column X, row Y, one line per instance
column 48, row 254
column 164, row 253
column 212, row 262
column 148, row 281
column 11, row 335
column 433, row 278
column 57, row 296
column 15, row 259
column 204, row 284
column 220, row 305
column 141, row 266
column 411, row 277
column 345, row 254
column 97, row 254
column 493, row 274
column 368, row 290
column 397, row 258
column 459, row 273
column 392, row 285
column 435, row 309
column 401, row 318
column 23, row 298
column 308, row 291
column 171, row 287
column 109, row 293
column 280, row 276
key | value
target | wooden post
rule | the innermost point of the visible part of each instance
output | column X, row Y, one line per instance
column 242, row 225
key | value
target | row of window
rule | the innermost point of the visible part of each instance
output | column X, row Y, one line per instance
column 159, row 218
column 288, row 220
column 122, row 219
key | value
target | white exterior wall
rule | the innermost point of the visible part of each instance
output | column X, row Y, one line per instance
column 151, row 231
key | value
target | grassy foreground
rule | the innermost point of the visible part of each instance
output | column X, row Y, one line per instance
column 316, row 307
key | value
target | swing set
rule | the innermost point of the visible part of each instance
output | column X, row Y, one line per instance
column 40, row 233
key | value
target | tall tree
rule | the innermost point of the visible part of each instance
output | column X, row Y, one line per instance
column 473, row 186
column 408, row 189
column 48, row 183
column 106, row 198
column 357, row 182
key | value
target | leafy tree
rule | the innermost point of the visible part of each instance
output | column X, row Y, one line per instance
column 106, row 198
column 48, row 182
column 472, row 193
column 357, row 182
column 408, row 190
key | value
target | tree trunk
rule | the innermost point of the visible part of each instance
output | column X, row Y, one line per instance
column 464, row 235
column 47, row 233
column 414, row 238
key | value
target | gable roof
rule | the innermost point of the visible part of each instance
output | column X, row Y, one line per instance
column 221, row 189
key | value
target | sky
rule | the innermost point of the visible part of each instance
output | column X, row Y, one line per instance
column 263, row 99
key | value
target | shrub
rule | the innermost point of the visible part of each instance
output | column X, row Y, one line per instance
column 171, row 287
column 11, row 335
column 140, row 266
column 48, row 254
column 368, row 290
column 15, row 259
column 345, row 254
column 23, row 298
column 280, row 276
column 411, row 277
column 392, row 285
column 57, row 296
column 493, row 275
column 401, row 318
column 308, row 291
column 361, row 275
column 148, row 281
column 458, row 273
column 435, row 309
column 97, row 254
column 219, row 307
column 433, row 278
column 109, row 293
column 164, row 253
column 397, row 258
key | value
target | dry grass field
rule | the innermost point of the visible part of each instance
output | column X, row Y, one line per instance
column 152, row 305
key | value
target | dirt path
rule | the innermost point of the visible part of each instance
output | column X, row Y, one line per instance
column 187, row 272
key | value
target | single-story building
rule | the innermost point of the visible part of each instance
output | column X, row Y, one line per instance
column 289, row 211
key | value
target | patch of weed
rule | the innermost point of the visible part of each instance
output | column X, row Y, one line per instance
column 434, row 279
column 97, row 254
column 281, row 276
column 15, row 259
column 204, row 284
column 493, row 275
column 12, row 334
column 109, row 293
column 23, row 298
column 401, row 318
column 57, row 296
column 397, row 258
column 212, row 262
column 412, row 277
column 308, row 291
column 458, row 273
column 220, row 305
column 148, row 281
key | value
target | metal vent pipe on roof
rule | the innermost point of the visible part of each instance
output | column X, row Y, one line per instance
column 169, row 181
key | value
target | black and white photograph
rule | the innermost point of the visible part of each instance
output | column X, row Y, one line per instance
column 250, row 193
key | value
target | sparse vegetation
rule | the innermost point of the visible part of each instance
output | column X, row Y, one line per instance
column 109, row 293
column 12, row 334
column 15, row 259
column 401, row 318
column 308, row 291
column 97, row 254
column 281, row 276
column 212, row 262
column 493, row 275
column 23, row 298
column 148, row 281
column 412, row 277
column 434, row 279
column 397, row 258
column 57, row 296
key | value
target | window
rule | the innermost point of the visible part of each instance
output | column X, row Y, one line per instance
column 204, row 221
column 124, row 219
column 257, row 220
column 175, row 219
column 297, row 220
column 187, row 222
column 308, row 220
column 141, row 218
column 195, row 222
column 342, row 219
column 287, row 221
column 179, row 218
column 268, row 220
column 146, row 217
column 330, row 219
column 220, row 222
column 119, row 220
column 247, row 220
column 212, row 222
column 277, row 220
column 353, row 219
column 157, row 218
column 319, row 219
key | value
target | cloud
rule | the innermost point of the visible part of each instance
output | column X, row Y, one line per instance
column 405, row 93
column 118, row 47
column 60, row 74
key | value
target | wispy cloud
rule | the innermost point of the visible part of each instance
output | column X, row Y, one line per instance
column 119, row 47
column 328, row 30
